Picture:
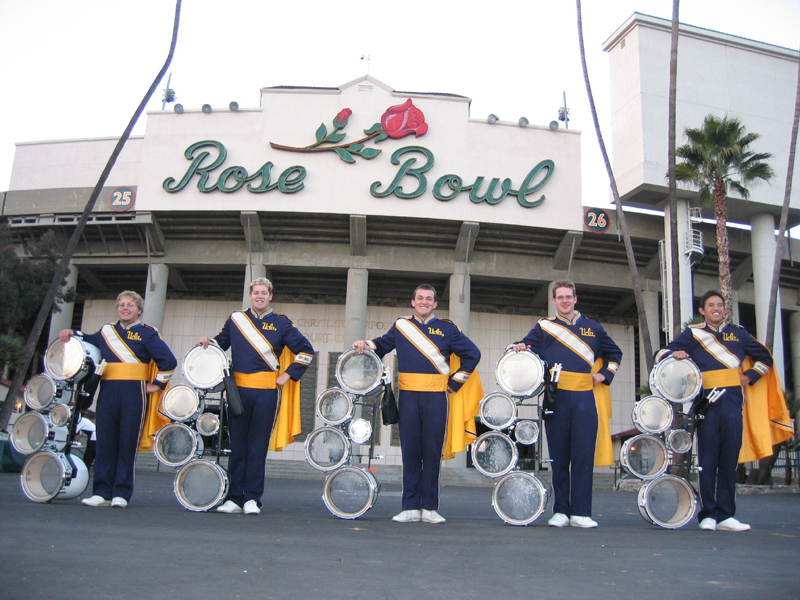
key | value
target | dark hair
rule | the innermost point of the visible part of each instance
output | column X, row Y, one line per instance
column 707, row 295
column 427, row 287
column 564, row 283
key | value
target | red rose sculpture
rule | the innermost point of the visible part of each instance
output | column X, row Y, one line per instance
column 402, row 120
column 341, row 119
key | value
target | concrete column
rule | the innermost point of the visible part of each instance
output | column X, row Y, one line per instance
column 63, row 320
column 460, row 283
column 735, row 307
column 251, row 272
column 551, row 308
column 794, row 342
column 155, row 295
column 684, row 269
column 651, row 310
column 762, row 241
column 355, row 311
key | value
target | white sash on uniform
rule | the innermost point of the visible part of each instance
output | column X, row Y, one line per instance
column 117, row 345
column 569, row 339
column 715, row 349
column 424, row 345
column 256, row 339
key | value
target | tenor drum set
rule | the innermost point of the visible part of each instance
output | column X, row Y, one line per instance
column 46, row 433
column 665, row 499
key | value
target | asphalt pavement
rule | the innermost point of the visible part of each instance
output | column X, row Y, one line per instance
column 297, row 549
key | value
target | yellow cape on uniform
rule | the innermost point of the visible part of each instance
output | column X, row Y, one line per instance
column 604, row 450
column 287, row 423
column 766, row 418
column 464, row 406
column 153, row 420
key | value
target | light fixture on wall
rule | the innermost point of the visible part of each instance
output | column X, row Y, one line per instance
column 523, row 122
column 178, row 108
column 492, row 119
column 206, row 108
column 553, row 125
column 234, row 106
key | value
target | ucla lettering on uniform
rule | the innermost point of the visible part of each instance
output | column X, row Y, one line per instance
column 132, row 335
column 587, row 332
column 269, row 327
column 437, row 331
column 729, row 337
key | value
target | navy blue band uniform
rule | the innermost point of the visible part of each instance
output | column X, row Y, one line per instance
column 122, row 400
column 572, row 432
column 718, row 353
column 256, row 343
column 424, row 348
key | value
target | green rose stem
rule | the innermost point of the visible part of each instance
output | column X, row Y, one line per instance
column 321, row 149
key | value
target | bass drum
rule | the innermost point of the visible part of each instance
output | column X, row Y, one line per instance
column 182, row 403
column 53, row 475
column 201, row 485
column 667, row 501
column 335, row 406
column 520, row 374
column 652, row 414
column 203, row 369
column 644, row 456
column 327, row 449
column 349, row 492
column 73, row 361
column 498, row 411
column 494, row 454
column 175, row 444
column 676, row 380
column 359, row 374
column 519, row 498
column 31, row 432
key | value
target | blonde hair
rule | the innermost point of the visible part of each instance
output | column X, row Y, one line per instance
column 564, row 283
column 261, row 281
column 137, row 299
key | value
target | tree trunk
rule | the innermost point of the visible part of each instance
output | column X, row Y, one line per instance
column 721, row 215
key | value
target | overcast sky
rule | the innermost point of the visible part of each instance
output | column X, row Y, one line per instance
column 79, row 68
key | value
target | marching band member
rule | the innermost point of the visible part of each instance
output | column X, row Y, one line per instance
column 719, row 350
column 424, row 347
column 139, row 363
column 257, row 338
column 578, row 434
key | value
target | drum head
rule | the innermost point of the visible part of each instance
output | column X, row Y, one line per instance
column 175, row 445
column 327, row 449
column 678, row 381
column 201, row 485
column 520, row 374
column 360, row 431
column 334, row 406
column 359, row 374
column 59, row 415
column 44, row 477
column 668, row 501
column 181, row 403
column 644, row 456
column 29, row 433
column 679, row 441
column 498, row 411
column 207, row 424
column 519, row 498
column 40, row 392
column 65, row 361
column 526, row 432
column 202, row 369
column 494, row 454
column 349, row 492
column 652, row 414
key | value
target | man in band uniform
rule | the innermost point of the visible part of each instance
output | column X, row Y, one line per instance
column 257, row 338
column 128, row 347
column 589, row 358
column 424, row 347
column 719, row 349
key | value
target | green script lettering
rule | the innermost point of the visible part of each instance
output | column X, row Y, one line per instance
column 405, row 169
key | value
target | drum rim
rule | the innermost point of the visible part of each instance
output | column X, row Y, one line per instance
column 623, row 459
column 330, row 391
column 211, row 415
column 536, row 481
column 195, row 435
column 50, row 415
column 180, row 476
column 346, row 356
column 350, row 435
column 374, row 490
column 514, row 394
column 635, row 411
column 510, row 422
column 678, row 431
column 199, row 349
column 643, row 496
column 199, row 405
column 59, row 458
column 345, row 457
column 514, row 452
column 660, row 365
column 38, row 416
column 536, row 426
column 73, row 340
column 52, row 399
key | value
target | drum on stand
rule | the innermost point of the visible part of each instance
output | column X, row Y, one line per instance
column 42, row 391
column 520, row 374
column 360, row 431
column 327, row 448
column 519, row 498
column 203, row 369
column 498, row 411
column 349, row 492
column 667, row 501
column 644, row 456
column 679, row 441
column 359, row 374
column 182, row 403
column 526, row 432
column 676, row 380
column 175, row 444
column 494, row 454
column 652, row 414
column 201, row 485
column 71, row 361
column 31, row 432
column 59, row 415
column 335, row 406
column 207, row 424
column 53, row 475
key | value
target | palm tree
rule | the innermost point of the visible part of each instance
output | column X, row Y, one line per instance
column 717, row 161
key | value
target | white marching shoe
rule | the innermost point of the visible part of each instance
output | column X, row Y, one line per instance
column 731, row 524
column 96, row 501
column 230, row 508
column 431, row 516
column 558, row 520
column 251, row 508
column 585, row 522
column 407, row 516
column 119, row 502
column 708, row 524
